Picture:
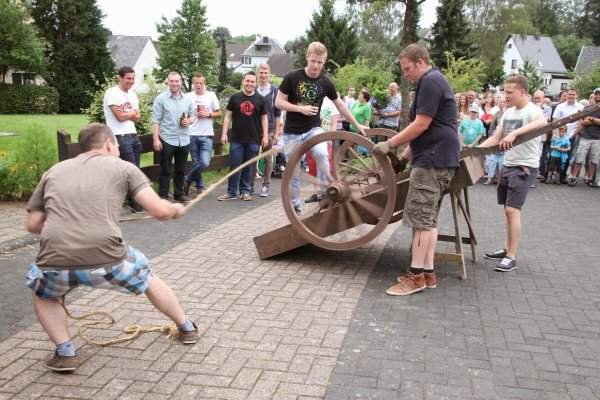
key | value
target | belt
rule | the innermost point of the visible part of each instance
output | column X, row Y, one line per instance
column 129, row 134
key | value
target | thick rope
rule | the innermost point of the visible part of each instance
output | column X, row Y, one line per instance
column 214, row 186
column 170, row 330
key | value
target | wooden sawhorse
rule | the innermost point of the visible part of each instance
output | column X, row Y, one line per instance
column 460, row 207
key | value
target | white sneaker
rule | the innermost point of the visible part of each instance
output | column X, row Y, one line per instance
column 264, row 192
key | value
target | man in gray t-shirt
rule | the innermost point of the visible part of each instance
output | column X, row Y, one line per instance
column 75, row 210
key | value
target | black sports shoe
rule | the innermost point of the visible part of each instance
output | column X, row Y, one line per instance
column 507, row 264
column 136, row 208
column 495, row 255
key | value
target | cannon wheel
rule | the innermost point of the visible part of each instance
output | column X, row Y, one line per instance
column 361, row 195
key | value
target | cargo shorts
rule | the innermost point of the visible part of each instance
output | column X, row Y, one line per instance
column 425, row 191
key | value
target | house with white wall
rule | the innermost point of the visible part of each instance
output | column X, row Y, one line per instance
column 541, row 52
column 258, row 52
column 137, row 52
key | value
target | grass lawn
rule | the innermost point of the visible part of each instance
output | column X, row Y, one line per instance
column 19, row 123
column 71, row 123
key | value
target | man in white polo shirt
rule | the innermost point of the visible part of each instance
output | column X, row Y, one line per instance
column 571, row 106
column 122, row 112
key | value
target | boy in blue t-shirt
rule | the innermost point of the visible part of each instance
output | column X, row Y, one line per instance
column 560, row 147
column 471, row 129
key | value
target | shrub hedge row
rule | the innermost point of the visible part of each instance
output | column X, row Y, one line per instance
column 28, row 99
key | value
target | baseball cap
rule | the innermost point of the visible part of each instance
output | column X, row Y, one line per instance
column 597, row 90
column 473, row 108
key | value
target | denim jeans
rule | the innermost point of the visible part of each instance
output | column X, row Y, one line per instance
column 130, row 149
column 167, row 154
column 201, row 151
column 493, row 161
column 319, row 154
column 239, row 153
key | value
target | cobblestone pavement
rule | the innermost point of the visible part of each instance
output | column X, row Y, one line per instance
column 533, row 333
column 314, row 324
column 12, row 226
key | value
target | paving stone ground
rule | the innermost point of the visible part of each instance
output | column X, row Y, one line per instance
column 314, row 324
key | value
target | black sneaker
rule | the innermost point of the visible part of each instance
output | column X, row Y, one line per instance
column 136, row 208
column 312, row 199
column 495, row 255
column 506, row 265
column 572, row 181
column 182, row 199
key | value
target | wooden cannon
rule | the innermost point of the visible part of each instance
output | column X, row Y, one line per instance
column 365, row 194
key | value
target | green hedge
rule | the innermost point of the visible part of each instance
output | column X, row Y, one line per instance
column 28, row 99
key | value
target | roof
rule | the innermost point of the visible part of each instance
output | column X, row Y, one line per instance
column 541, row 51
column 234, row 51
column 281, row 64
column 589, row 56
column 126, row 50
column 264, row 46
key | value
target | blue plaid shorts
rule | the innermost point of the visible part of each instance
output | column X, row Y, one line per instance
column 132, row 275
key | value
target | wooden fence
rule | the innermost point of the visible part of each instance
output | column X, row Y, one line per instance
column 67, row 150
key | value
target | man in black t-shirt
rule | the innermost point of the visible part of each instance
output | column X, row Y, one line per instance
column 301, row 95
column 247, row 112
column 435, row 149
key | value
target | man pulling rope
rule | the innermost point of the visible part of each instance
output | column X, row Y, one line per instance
column 75, row 209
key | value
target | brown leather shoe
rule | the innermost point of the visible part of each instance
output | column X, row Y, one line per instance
column 189, row 337
column 62, row 363
column 430, row 280
column 408, row 284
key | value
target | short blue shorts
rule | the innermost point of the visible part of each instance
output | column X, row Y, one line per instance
column 130, row 276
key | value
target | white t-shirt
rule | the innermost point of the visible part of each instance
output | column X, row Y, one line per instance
column 328, row 109
column 206, row 102
column 128, row 101
column 526, row 154
column 564, row 110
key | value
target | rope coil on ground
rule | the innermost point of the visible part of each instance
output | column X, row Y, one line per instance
column 170, row 330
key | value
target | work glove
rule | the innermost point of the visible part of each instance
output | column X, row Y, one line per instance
column 402, row 163
column 382, row 148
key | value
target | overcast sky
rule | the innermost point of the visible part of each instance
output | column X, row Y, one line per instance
column 281, row 19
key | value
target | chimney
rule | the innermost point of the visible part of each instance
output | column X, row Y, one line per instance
column 265, row 39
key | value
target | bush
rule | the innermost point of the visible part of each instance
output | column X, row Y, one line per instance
column 95, row 111
column 28, row 99
column 21, row 171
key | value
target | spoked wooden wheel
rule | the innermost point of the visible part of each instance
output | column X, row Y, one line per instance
column 360, row 194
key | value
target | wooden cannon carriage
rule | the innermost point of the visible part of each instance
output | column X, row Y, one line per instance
column 365, row 194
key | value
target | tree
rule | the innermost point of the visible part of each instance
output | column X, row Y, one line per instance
column 20, row 48
column 463, row 74
column 378, row 29
column 450, row 33
column 186, row 44
column 589, row 23
column 536, row 81
column 361, row 73
column 491, row 22
column 409, row 35
column 221, row 36
column 547, row 17
column 76, row 47
column 569, row 47
column 335, row 33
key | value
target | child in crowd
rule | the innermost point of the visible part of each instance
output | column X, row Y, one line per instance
column 559, row 147
column 471, row 130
